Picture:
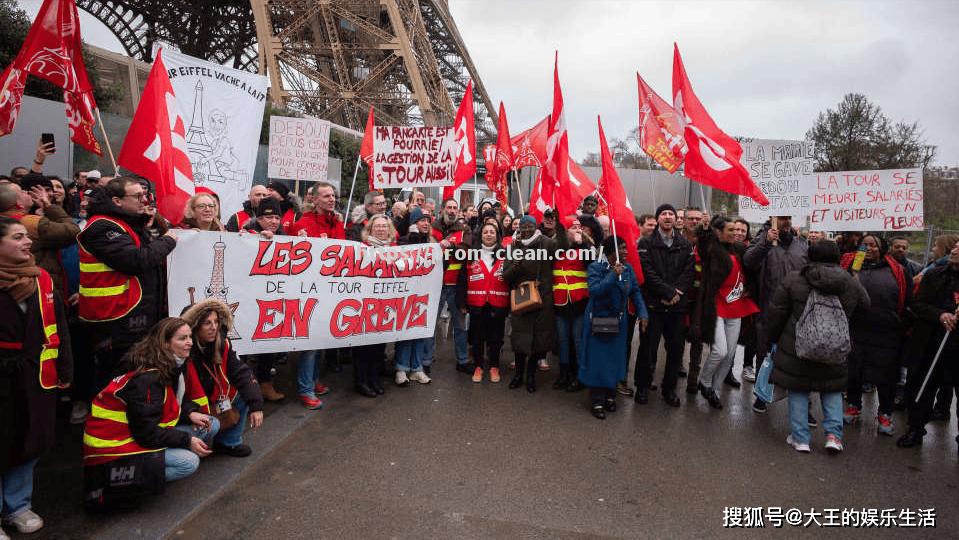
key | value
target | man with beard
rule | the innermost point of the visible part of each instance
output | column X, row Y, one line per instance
column 122, row 272
column 773, row 253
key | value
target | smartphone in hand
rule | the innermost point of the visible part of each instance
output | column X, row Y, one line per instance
column 47, row 138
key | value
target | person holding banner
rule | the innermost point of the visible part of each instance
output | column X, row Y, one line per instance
column 451, row 236
column 411, row 353
column 202, row 213
column 368, row 359
column 35, row 361
column 239, row 220
column 935, row 343
column 482, row 292
column 214, row 371
column 289, row 203
column 374, row 203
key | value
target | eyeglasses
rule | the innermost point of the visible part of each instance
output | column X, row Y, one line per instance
column 204, row 206
column 143, row 196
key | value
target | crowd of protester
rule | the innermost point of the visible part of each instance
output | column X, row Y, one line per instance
column 83, row 293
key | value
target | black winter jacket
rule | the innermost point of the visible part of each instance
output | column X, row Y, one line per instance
column 117, row 250
column 666, row 268
column 144, row 398
column 238, row 373
column 936, row 295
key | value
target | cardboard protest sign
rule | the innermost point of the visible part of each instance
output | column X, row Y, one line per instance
column 297, row 293
column 299, row 148
column 413, row 156
column 223, row 109
column 783, row 171
column 887, row 200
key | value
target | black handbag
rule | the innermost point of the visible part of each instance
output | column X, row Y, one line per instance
column 605, row 325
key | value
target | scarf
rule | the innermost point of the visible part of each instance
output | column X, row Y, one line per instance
column 376, row 242
column 19, row 280
column 897, row 272
column 531, row 239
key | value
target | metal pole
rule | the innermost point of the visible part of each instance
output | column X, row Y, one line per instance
column 349, row 201
column 519, row 191
column 106, row 139
column 932, row 366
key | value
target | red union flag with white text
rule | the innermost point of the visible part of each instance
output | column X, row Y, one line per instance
column 155, row 146
column 52, row 51
column 660, row 129
column 712, row 156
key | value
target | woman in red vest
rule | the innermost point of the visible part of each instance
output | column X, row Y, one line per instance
column 35, row 361
column 484, row 294
column 132, row 443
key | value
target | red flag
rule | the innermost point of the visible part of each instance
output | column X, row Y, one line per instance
column 529, row 147
column 155, row 146
column 496, row 178
column 52, row 51
column 465, row 136
column 660, row 129
column 712, row 157
column 617, row 205
column 504, row 147
column 366, row 148
column 554, row 187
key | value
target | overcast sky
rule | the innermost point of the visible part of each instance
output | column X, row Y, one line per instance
column 763, row 69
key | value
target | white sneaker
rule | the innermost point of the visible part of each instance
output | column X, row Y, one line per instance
column 401, row 379
column 543, row 365
column 800, row 447
column 749, row 374
column 420, row 377
column 26, row 522
column 79, row 413
column 833, row 444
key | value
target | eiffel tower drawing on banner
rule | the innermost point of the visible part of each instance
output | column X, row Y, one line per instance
column 217, row 287
column 209, row 145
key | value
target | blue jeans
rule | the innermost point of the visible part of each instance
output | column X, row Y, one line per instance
column 568, row 329
column 410, row 354
column 16, row 489
column 307, row 373
column 448, row 298
column 234, row 435
column 799, row 414
column 182, row 462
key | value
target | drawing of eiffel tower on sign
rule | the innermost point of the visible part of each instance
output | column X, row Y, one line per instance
column 209, row 145
column 217, row 287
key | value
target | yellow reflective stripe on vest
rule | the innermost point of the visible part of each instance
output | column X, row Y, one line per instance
column 171, row 423
column 454, row 266
column 49, row 354
column 96, row 442
column 569, row 286
column 104, row 291
column 94, row 267
column 97, row 411
column 50, row 329
column 569, row 273
column 202, row 402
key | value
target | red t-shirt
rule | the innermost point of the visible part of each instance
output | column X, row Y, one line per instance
column 732, row 299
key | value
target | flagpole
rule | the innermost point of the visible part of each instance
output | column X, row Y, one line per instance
column 349, row 201
column 106, row 139
column 612, row 225
column 702, row 197
column 652, row 189
column 519, row 191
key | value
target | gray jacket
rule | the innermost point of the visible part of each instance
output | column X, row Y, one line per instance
column 772, row 263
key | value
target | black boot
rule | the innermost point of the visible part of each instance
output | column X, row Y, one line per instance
column 518, row 372
column 563, row 381
column 531, row 375
column 910, row 439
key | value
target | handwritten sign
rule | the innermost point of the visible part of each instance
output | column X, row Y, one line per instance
column 783, row 171
column 887, row 200
column 299, row 148
column 295, row 293
column 413, row 156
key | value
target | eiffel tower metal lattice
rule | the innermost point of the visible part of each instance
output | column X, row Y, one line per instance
column 332, row 59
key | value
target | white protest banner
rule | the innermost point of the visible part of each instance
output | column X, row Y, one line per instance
column 223, row 108
column 299, row 148
column 887, row 200
column 413, row 156
column 783, row 171
column 296, row 293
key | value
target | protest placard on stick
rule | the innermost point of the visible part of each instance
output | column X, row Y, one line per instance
column 783, row 171
column 299, row 148
column 413, row 156
column 886, row 200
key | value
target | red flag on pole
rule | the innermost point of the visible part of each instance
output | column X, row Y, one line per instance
column 366, row 147
column 155, row 146
column 496, row 178
column 529, row 147
column 504, row 147
column 660, row 128
column 465, row 136
column 52, row 51
column 554, row 187
column 712, row 156
column 617, row 205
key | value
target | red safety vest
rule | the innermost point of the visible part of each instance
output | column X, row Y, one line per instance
column 106, row 294
column 50, row 352
column 194, row 390
column 241, row 218
column 486, row 286
column 452, row 271
column 569, row 282
column 107, row 435
column 288, row 219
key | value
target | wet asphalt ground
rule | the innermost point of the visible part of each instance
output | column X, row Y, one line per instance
column 455, row 459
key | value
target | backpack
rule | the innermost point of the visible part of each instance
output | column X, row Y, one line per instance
column 822, row 332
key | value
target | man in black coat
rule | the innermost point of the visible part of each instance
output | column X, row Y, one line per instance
column 935, row 308
column 667, row 261
column 124, row 199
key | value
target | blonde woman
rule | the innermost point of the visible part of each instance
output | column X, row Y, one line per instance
column 368, row 359
column 202, row 212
